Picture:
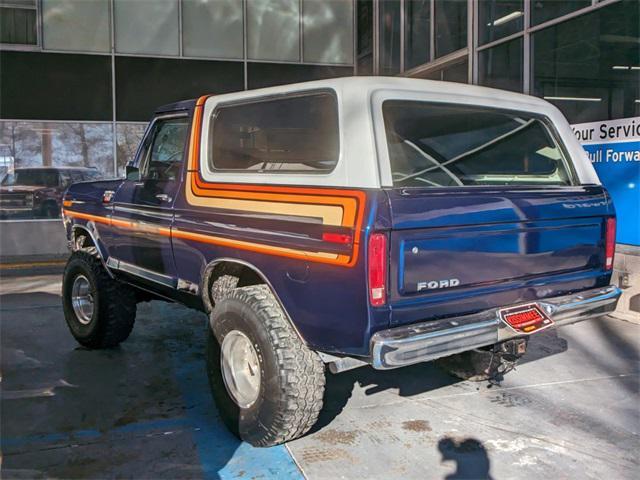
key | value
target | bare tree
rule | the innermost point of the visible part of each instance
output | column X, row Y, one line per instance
column 129, row 137
column 22, row 142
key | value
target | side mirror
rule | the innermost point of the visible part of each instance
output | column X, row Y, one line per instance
column 132, row 173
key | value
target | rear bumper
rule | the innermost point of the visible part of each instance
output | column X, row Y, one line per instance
column 427, row 341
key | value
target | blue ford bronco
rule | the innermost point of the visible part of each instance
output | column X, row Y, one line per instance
column 340, row 223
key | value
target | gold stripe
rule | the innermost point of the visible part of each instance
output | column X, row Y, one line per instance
column 199, row 237
column 330, row 214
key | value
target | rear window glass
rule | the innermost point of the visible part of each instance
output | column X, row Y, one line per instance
column 284, row 135
column 440, row 145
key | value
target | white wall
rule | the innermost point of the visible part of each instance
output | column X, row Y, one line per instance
column 25, row 240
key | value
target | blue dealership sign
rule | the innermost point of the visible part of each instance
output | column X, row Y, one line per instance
column 613, row 147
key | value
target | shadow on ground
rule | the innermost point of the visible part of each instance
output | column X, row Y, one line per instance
column 141, row 410
column 144, row 409
column 413, row 380
column 469, row 456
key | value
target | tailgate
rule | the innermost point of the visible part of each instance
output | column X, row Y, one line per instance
column 454, row 251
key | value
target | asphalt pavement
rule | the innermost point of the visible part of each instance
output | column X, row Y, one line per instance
column 143, row 410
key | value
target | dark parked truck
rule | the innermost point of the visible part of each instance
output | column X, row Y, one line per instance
column 36, row 192
column 339, row 223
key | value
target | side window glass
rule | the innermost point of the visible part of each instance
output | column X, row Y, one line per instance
column 285, row 135
column 163, row 155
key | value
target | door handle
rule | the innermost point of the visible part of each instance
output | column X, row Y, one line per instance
column 163, row 197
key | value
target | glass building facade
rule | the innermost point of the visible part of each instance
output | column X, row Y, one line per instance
column 581, row 55
column 80, row 78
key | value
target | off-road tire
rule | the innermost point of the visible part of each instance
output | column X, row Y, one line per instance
column 292, row 386
column 222, row 287
column 114, row 309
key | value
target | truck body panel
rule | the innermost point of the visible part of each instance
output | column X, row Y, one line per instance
column 489, row 246
column 305, row 235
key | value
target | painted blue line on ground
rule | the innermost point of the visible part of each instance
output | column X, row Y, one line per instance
column 70, row 437
column 222, row 455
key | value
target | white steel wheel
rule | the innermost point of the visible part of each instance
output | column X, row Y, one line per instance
column 240, row 368
column 267, row 384
column 99, row 310
column 82, row 299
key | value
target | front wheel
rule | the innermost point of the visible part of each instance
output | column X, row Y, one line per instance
column 267, row 384
column 99, row 310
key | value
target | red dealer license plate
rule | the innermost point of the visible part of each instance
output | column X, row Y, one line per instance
column 526, row 318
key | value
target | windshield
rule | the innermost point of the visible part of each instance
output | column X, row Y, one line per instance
column 32, row 178
column 440, row 145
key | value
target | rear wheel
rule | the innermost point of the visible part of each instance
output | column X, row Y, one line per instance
column 267, row 384
column 99, row 310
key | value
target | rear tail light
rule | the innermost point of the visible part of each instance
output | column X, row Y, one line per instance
column 610, row 243
column 377, row 268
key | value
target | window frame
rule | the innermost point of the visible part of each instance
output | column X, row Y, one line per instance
column 483, row 64
column 123, row 49
column 566, row 159
column 26, row 46
column 571, row 149
column 141, row 158
column 349, row 59
column 209, row 124
column 252, row 48
column 438, row 5
column 483, row 28
column 43, row 32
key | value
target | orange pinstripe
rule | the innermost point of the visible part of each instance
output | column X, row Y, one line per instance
column 212, row 239
column 86, row 216
column 352, row 203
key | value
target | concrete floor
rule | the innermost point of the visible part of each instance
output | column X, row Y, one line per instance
column 571, row 410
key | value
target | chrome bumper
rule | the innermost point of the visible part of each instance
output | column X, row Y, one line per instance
column 427, row 341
